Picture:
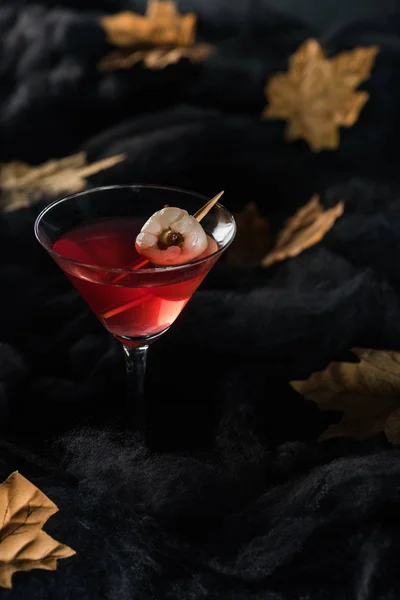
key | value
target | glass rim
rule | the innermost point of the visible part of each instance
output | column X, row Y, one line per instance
column 160, row 268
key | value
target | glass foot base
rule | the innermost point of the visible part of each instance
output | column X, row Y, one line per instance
column 138, row 342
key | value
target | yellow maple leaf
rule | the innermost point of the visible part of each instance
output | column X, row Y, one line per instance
column 22, row 184
column 305, row 229
column 253, row 238
column 24, row 546
column 159, row 38
column 156, row 58
column 317, row 95
column 367, row 393
column 162, row 25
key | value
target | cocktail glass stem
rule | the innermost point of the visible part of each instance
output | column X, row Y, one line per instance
column 136, row 361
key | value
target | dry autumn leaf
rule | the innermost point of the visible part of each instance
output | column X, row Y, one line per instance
column 21, row 184
column 305, row 229
column 159, row 38
column 317, row 95
column 367, row 393
column 157, row 58
column 162, row 25
column 24, row 509
column 253, row 239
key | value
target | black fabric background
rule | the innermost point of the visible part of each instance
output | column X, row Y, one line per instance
column 237, row 500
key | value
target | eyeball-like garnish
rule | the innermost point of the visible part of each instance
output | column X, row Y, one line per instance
column 171, row 237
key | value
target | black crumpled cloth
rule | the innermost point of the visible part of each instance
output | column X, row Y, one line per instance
column 236, row 500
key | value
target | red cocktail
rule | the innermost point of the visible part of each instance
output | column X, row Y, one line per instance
column 137, row 304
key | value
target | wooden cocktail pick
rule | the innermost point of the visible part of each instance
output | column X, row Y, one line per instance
column 207, row 207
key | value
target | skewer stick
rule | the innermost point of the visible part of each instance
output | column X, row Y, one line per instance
column 207, row 207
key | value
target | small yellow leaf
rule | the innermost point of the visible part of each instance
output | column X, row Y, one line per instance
column 367, row 393
column 318, row 95
column 156, row 58
column 21, row 184
column 24, row 509
column 161, row 26
column 159, row 38
column 305, row 229
column 253, row 238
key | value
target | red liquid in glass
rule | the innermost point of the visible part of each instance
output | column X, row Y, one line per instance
column 132, row 305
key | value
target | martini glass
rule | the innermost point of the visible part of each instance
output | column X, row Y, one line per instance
column 91, row 236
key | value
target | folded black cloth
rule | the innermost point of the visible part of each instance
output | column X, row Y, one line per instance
column 236, row 499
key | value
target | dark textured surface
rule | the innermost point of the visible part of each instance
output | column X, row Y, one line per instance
column 237, row 501
column 334, row 11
